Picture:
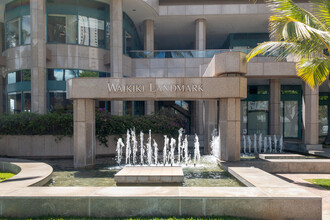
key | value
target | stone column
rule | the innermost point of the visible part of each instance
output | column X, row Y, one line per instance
column 200, row 41
column 200, row 44
column 210, row 122
column 229, row 127
column 84, row 133
column 275, row 106
column 149, row 35
column 116, row 48
column 38, row 55
column 149, row 45
column 311, row 116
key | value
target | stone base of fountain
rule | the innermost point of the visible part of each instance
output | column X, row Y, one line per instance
column 270, row 156
column 150, row 175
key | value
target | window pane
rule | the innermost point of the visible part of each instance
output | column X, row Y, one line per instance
column 86, row 73
column 139, row 108
column 14, row 103
column 83, row 30
column 291, row 118
column 27, row 102
column 323, row 120
column 14, row 77
column 128, row 108
column 62, row 29
column 26, row 75
column 258, row 117
column 58, row 74
column 26, row 30
column 59, row 103
column 244, row 117
column 56, row 28
column 13, row 29
column 69, row 74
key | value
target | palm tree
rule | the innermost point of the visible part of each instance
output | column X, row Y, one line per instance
column 298, row 32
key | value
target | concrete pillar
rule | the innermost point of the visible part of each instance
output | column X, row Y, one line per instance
column 229, row 127
column 311, row 115
column 200, row 40
column 210, row 114
column 38, row 46
column 149, row 45
column 149, row 35
column 149, row 107
column 275, row 106
column 84, row 133
column 116, row 48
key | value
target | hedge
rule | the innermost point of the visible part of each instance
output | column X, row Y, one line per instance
column 106, row 125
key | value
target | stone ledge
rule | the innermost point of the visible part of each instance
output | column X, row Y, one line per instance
column 31, row 173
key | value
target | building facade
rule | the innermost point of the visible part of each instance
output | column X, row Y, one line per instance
column 46, row 42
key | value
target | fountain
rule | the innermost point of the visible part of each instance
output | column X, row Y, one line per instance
column 141, row 148
column 215, row 144
column 155, row 152
column 128, row 148
column 270, row 144
column 135, row 147
column 197, row 155
column 281, row 144
column 149, row 149
column 265, row 144
column 172, row 145
column 260, row 142
column 255, row 143
column 119, row 149
column 249, row 143
column 166, row 144
column 186, row 155
column 275, row 143
column 180, row 146
column 244, row 144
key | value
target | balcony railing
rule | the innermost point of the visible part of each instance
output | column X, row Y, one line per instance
column 180, row 53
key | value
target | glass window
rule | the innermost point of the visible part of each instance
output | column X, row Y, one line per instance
column 14, row 103
column 17, row 19
column 58, row 102
column 244, row 117
column 87, row 73
column 13, row 33
column 27, row 101
column 290, row 119
column 257, row 117
column 69, row 74
column 14, row 77
column 26, row 30
column 139, row 108
column 26, row 75
column 323, row 120
column 62, row 29
column 78, row 22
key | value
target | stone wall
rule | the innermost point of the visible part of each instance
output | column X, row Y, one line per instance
column 48, row 146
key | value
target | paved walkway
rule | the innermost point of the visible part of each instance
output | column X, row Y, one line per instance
column 299, row 179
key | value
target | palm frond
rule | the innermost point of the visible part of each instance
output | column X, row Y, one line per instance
column 322, row 11
column 287, row 8
column 313, row 71
column 282, row 49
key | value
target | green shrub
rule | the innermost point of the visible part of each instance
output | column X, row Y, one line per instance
column 106, row 125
